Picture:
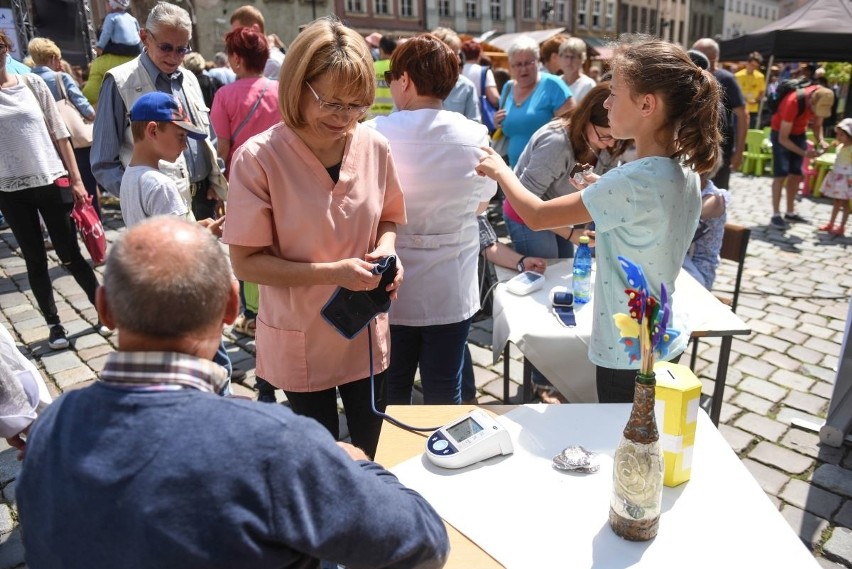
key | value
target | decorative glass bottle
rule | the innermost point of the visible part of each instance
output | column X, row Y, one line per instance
column 637, row 472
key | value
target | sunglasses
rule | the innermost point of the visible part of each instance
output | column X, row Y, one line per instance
column 169, row 48
column 601, row 137
column 389, row 77
column 352, row 110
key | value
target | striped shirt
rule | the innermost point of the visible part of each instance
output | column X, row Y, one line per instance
column 158, row 371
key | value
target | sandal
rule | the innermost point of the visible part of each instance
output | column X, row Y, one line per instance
column 245, row 326
column 548, row 394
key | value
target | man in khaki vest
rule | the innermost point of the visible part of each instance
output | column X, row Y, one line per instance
column 197, row 173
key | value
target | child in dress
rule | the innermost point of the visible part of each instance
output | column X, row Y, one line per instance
column 702, row 259
column 646, row 210
column 838, row 182
column 120, row 33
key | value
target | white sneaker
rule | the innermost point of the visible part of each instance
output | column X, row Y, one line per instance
column 57, row 340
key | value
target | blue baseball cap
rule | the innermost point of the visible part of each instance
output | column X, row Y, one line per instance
column 162, row 107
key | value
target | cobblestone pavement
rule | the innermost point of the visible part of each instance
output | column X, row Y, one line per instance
column 795, row 296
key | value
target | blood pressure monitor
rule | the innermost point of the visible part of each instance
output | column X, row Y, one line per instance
column 525, row 283
column 468, row 440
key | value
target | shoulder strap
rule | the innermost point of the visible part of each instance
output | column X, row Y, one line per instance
column 482, row 80
column 800, row 100
column 250, row 113
column 507, row 91
column 60, row 85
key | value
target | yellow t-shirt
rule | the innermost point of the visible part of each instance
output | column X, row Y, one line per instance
column 752, row 86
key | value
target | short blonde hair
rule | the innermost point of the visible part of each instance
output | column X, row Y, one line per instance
column 194, row 61
column 326, row 46
column 42, row 50
column 573, row 46
column 247, row 15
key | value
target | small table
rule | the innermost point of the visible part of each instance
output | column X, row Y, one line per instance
column 530, row 515
column 561, row 354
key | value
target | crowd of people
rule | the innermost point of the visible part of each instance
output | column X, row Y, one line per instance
column 318, row 169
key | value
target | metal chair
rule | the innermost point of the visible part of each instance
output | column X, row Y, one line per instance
column 734, row 246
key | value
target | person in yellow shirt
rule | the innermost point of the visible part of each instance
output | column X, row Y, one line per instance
column 752, row 83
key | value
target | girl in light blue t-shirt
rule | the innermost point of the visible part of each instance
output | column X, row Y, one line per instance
column 646, row 210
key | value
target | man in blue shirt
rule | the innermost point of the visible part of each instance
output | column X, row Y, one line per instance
column 150, row 468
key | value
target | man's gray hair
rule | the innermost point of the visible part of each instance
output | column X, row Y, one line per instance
column 522, row 45
column 168, row 15
column 166, row 277
column 220, row 59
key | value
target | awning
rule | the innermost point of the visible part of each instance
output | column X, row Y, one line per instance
column 505, row 41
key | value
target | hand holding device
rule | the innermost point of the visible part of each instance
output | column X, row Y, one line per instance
column 350, row 311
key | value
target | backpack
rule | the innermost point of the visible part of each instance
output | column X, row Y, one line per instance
column 773, row 100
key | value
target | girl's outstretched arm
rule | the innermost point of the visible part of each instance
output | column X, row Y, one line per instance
column 537, row 214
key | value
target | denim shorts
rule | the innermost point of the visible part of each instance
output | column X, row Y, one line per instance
column 785, row 162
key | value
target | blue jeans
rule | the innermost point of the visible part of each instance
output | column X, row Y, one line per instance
column 439, row 351
column 545, row 244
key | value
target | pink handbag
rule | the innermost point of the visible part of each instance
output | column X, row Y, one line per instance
column 91, row 230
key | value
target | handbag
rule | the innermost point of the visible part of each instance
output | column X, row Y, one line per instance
column 486, row 109
column 81, row 130
column 91, row 230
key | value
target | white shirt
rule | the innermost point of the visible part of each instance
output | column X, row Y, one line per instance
column 473, row 71
column 146, row 192
column 435, row 153
column 272, row 69
column 581, row 87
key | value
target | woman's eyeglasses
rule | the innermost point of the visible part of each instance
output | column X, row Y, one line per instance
column 522, row 64
column 353, row 110
column 601, row 137
column 169, row 48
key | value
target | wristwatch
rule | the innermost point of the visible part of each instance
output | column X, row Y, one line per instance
column 563, row 308
column 521, row 264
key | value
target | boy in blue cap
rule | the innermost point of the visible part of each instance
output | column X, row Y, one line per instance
column 160, row 129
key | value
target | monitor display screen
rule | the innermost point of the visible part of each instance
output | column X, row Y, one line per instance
column 464, row 430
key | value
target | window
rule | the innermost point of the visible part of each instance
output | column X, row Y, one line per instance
column 528, row 11
column 738, row 6
column 680, row 32
column 581, row 13
column 634, row 19
column 470, row 11
column 444, row 8
column 560, row 12
column 354, row 6
column 643, row 19
column 496, row 10
column 610, row 12
column 381, row 7
column 406, row 8
column 752, row 10
column 596, row 14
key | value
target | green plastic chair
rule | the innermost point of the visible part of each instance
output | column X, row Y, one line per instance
column 756, row 157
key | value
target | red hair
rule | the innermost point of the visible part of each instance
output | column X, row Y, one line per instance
column 250, row 45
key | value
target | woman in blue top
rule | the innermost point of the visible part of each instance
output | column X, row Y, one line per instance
column 531, row 99
column 646, row 210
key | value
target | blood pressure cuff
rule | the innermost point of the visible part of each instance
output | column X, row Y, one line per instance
column 350, row 311
column 563, row 308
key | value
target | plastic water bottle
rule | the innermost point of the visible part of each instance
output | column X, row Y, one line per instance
column 582, row 279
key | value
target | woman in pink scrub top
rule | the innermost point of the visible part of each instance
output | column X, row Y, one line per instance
column 312, row 202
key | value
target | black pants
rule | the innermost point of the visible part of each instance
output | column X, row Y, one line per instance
column 364, row 425
column 617, row 385
column 21, row 209
column 203, row 208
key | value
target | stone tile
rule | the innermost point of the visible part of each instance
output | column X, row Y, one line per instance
column 791, row 335
column 60, row 361
column 817, row 331
column 806, row 402
column 752, row 403
column 763, row 388
column 67, row 378
column 805, row 354
column 739, row 440
column 827, row 374
column 762, row 426
column 481, row 356
column 772, row 343
column 7, row 524
column 790, row 379
column 740, row 347
column 35, row 335
column 89, row 341
column 844, row 516
column 780, row 457
column 771, row 480
column 822, row 389
column 495, row 389
column 728, row 413
column 11, row 550
column 786, row 415
column 755, row 368
column 94, row 352
column 807, row 443
column 823, row 346
column 811, row 498
column 839, row 545
column 833, row 478
column 807, row 526
column 782, row 361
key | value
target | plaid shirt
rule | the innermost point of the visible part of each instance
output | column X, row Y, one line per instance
column 163, row 371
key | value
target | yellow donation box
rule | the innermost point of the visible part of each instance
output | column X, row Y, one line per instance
column 678, row 393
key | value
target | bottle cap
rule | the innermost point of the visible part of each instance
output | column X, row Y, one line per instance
column 584, row 240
